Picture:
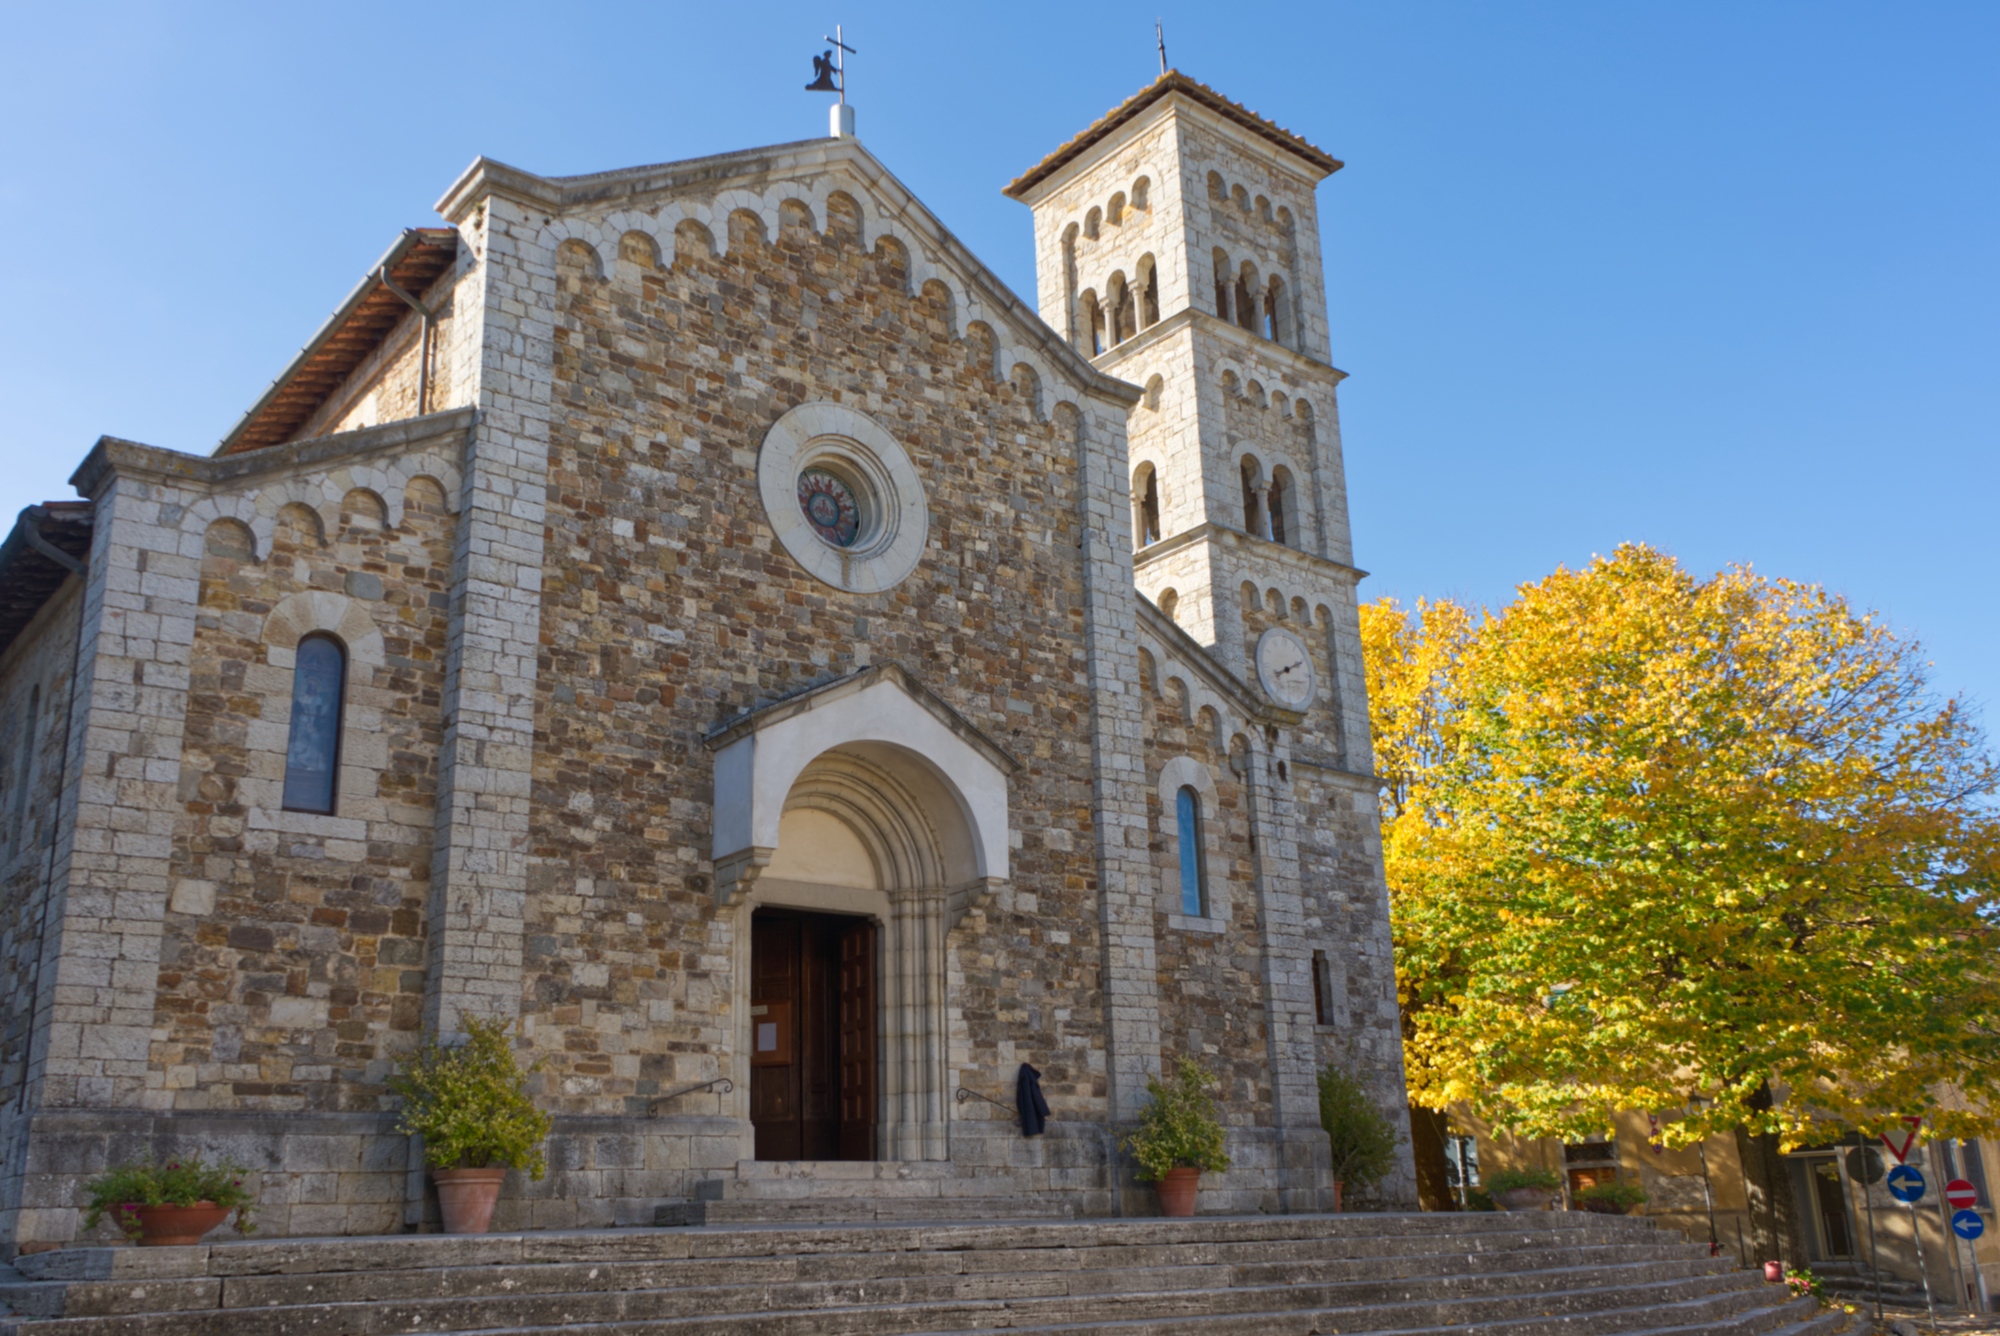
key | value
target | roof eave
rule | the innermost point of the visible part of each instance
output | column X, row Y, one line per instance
column 1322, row 163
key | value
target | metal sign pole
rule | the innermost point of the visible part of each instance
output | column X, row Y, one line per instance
column 1923, row 1267
column 1874, row 1249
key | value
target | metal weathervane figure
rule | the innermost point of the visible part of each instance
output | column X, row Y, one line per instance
column 830, row 76
column 830, row 70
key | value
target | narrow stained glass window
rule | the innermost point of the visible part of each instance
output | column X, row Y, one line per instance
column 1194, row 886
column 312, row 756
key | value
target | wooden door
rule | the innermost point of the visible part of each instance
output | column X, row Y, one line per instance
column 857, row 1040
column 812, row 1036
column 775, row 1105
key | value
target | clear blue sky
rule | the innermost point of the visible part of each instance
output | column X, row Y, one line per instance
column 1717, row 276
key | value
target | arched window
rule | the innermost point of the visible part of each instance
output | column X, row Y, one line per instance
column 1280, row 504
column 1149, row 506
column 1091, row 317
column 1253, row 521
column 1194, row 883
column 312, row 755
column 1222, row 285
column 1149, row 305
column 1277, row 321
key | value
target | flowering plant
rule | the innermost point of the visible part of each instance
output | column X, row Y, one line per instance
column 1802, row 1282
column 186, row 1181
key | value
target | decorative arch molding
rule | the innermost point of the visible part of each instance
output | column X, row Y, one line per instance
column 322, row 494
column 297, row 616
column 1185, row 772
column 953, row 776
column 921, row 264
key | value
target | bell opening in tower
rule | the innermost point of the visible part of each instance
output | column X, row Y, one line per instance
column 812, row 1028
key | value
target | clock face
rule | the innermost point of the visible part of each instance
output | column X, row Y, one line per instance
column 1285, row 669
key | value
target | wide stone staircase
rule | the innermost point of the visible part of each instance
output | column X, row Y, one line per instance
column 1542, row 1274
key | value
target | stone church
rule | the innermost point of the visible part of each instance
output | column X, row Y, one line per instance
column 698, row 614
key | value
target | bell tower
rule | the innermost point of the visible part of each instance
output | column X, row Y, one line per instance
column 1177, row 246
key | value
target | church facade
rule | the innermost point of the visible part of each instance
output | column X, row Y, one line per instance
column 698, row 615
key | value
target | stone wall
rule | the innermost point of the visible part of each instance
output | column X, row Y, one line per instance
column 292, row 967
column 668, row 607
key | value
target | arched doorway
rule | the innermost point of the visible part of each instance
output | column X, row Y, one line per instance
column 854, row 824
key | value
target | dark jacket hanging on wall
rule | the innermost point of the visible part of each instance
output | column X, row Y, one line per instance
column 1028, row 1099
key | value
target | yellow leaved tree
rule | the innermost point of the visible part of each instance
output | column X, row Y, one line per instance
column 1656, row 842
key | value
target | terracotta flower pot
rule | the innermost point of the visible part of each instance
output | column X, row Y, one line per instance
column 1525, row 1199
column 1596, row 1207
column 176, row 1226
column 1177, row 1191
column 1339, row 1189
column 1774, row 1271
column 466, row 1198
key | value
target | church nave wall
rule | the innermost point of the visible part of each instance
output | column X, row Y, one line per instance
column 292, row 963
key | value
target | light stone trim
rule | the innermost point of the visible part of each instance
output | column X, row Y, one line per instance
column 895, row 522
column 1177, row 773
column 965, row 798
column 323, row 493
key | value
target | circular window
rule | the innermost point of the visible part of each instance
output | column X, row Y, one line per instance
column 829, row 506
column 843, row 497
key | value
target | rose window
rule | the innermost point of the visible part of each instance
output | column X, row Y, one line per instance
column 829, row 506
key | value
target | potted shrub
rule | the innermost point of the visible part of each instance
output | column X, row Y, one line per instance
column 170, row 1205
column 1523, row 1189
column 1614, row 1198
column 1178, row 1137
column 1363, row 1139
column 470, row 1104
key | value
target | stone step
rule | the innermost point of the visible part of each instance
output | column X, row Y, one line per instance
column 1176, row 1265
column 916, row 1303
column 1550, row 1274
column 857, row 1210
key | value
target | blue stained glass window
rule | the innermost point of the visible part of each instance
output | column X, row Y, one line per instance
column 312, row 756
column 1194, row 886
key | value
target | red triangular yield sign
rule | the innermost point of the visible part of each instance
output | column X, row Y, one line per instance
column 1900, row 1146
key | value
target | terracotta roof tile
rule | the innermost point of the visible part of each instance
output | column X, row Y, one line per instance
column 1173, row 81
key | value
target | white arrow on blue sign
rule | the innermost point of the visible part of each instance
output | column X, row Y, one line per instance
column 1906, row 1184
column 1967, row 1224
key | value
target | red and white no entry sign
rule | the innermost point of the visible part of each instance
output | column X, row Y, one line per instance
column 1960, row 1194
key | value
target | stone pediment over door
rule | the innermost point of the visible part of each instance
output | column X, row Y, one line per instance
column 953, row 773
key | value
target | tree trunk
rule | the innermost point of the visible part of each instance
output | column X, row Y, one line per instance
column 1427, row 1149
column 1775, row 1227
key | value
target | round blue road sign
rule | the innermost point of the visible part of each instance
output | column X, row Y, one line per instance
column 1906, row 1184
column 1967, row 1224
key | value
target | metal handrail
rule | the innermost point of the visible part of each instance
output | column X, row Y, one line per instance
column 724, row 1083
column 965, row 1094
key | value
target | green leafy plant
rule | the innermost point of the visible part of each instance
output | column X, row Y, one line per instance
column 1477, row 1199
column 1364, row 1140
column 1803, row 1282
column 1179, row 1128
column 185, row 1181
column 1511, row 1180
column 1616, row 1193
column 470, row 1103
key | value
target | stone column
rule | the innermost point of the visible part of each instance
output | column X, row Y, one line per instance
column 914, row 1061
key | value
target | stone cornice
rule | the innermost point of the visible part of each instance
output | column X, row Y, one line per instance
column 1251, row 346
column 114, row 457
column 1263, row 548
